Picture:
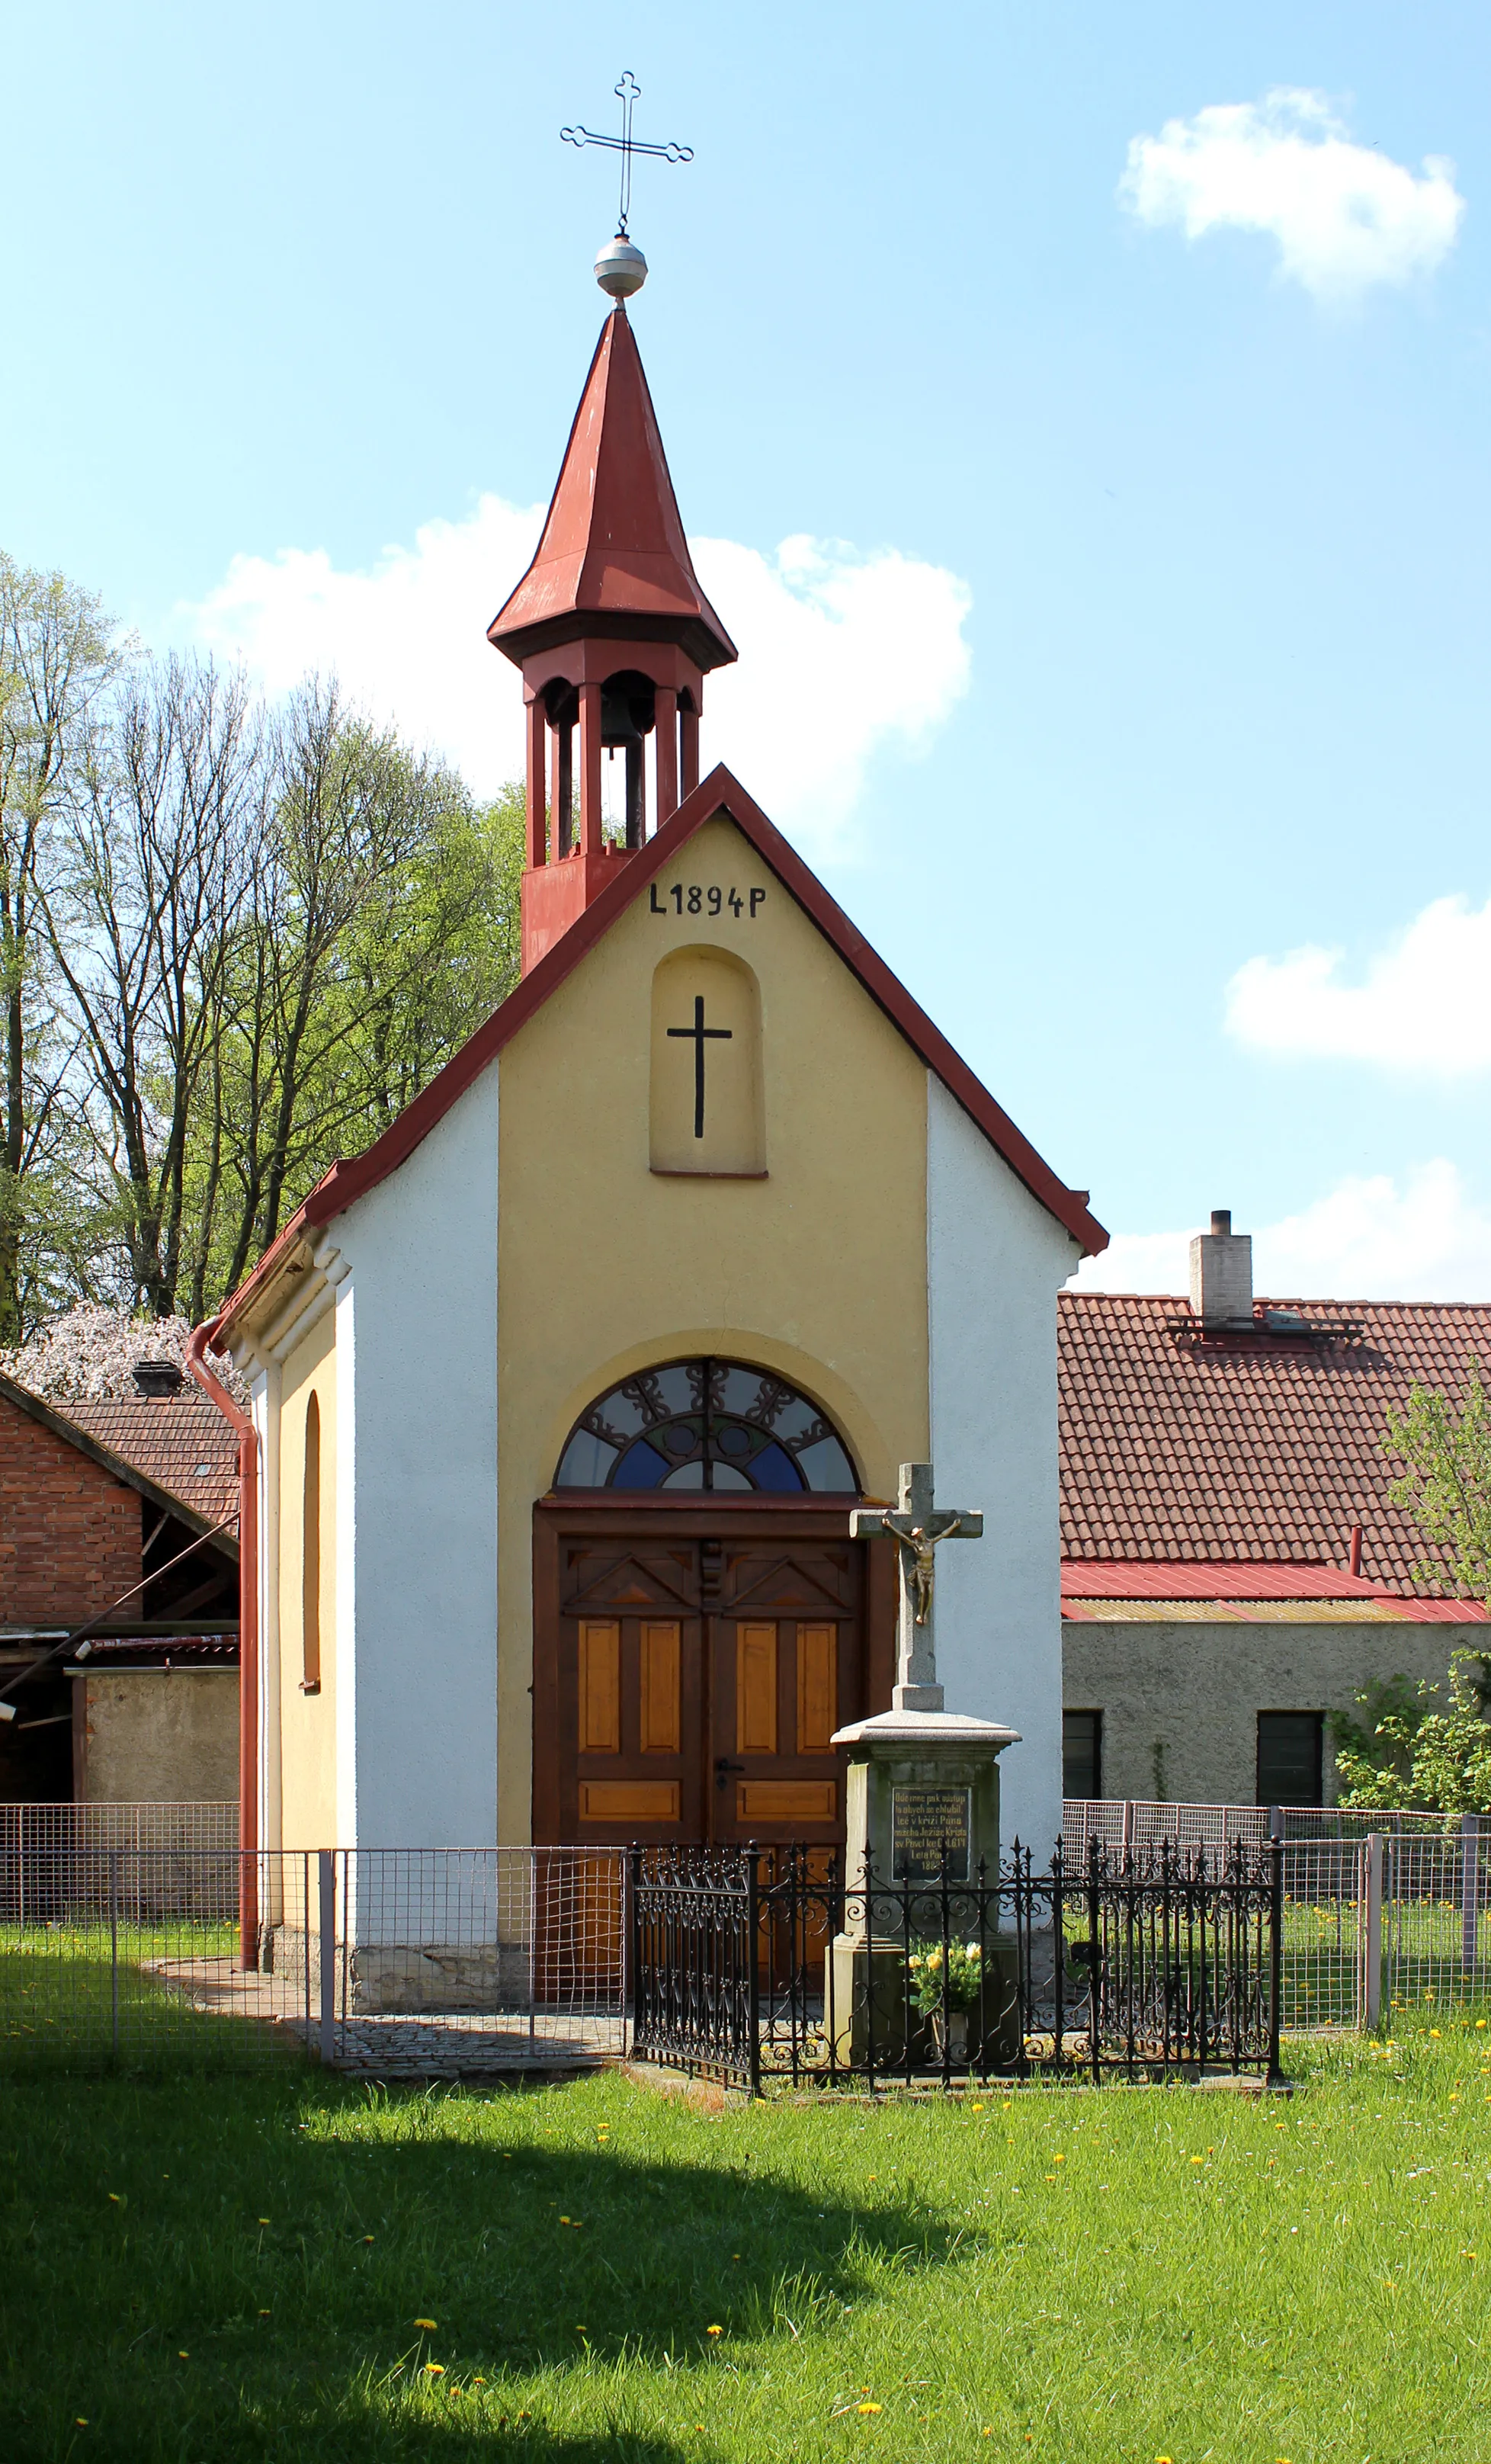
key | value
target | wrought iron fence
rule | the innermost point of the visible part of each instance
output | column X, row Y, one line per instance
column 429, row 1963
column 759, row 1965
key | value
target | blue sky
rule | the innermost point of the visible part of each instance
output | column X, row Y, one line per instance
column 1133, row 636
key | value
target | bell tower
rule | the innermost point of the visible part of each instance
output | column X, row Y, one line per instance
column 613, row 635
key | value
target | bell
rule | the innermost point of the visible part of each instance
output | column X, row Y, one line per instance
column 618, row 720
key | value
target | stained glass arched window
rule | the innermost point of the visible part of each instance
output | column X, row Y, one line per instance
column 715, row 1424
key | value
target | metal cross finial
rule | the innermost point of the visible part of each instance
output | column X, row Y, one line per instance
column 626, row 145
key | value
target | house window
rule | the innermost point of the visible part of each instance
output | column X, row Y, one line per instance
column 1290, row 1756
column 311, row 1556
column 1082, row 1754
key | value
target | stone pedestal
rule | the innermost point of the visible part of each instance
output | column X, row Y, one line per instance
column 923, row 1808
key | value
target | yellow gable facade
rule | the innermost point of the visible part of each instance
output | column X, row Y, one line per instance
column 710, row 1139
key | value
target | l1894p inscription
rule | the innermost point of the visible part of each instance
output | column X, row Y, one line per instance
column 924, row 1823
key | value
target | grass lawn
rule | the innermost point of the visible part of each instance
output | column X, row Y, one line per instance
column 286, row 2266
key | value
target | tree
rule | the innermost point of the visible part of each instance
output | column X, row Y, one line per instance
column 382, row 927
column 55, row 657
column 1405, row 1754
column 158, row 851
column 1446, row 1484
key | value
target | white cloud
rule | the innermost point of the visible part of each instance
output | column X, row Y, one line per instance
column 840, row 652
column 1367, row 1239
column 1345, row 215
column 1421, row 1004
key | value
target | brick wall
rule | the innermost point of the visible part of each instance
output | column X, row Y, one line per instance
column 70, row 1535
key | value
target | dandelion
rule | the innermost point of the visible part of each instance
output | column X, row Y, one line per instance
column 115, row 2196
column 869, row 2407
column 183, row 2355
column 426, row 2323
column 435, row 2369
column 715, row 2331
column 263, row 2220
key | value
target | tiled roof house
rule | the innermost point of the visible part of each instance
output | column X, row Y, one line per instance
column 110, row 1516
column 1233, row 1569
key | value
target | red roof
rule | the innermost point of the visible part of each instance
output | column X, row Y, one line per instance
column 179, row 1441
column 1226, row 1583
column 718, row 793
column 1261, row 1451
column 613, row 543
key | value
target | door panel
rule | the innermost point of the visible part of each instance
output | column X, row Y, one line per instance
column 818, row 1687
column 600, row 1686
column 629, row 1800
column 662, row 1677
column 785, row 1801
column 756, row 1689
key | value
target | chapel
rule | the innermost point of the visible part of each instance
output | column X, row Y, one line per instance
column 565, row 1389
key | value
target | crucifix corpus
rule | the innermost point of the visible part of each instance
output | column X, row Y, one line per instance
column 919, row 1527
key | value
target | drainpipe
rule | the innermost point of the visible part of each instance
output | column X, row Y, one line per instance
column 248, row 1639
column 1356, row 1548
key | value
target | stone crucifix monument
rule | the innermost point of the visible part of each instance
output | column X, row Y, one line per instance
column 922, row 1798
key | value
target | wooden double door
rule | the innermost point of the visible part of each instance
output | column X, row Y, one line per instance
column 689, row 1675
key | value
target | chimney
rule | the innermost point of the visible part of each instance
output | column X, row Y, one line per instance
column 159, row 1378
column 1221, row 1273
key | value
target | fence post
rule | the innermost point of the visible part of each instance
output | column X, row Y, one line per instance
column 753, row 1963
column 114, row 1952
column 326, row 1860
column 1094, row 1961
column 532, row 1945
column 1275, row 1958
column 1470, row 1879
column 1371, row 1932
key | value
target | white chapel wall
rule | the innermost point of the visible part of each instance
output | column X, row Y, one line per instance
column 995, row 1260
column 418, row 1465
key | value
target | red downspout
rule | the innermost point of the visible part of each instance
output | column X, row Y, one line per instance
column 248, row 1639
column 1356, row 1548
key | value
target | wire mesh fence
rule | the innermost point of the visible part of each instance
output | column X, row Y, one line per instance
column 1137, row 1822
column 428, row 1963
column 163, row 1854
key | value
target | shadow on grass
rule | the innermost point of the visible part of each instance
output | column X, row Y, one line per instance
column 270, row 2252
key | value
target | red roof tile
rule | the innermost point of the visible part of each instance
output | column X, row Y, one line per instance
column 1261, row 1450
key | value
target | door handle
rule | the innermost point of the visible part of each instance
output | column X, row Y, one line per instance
column 723, row 1767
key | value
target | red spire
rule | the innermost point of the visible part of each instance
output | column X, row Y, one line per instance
column 613, row 558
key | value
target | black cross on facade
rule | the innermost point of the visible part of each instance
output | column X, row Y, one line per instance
column 699, row 1035
column 626, row 145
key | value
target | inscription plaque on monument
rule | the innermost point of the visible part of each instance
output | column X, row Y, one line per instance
column 925, row 1824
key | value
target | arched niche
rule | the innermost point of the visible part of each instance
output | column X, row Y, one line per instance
column 708, row 1112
